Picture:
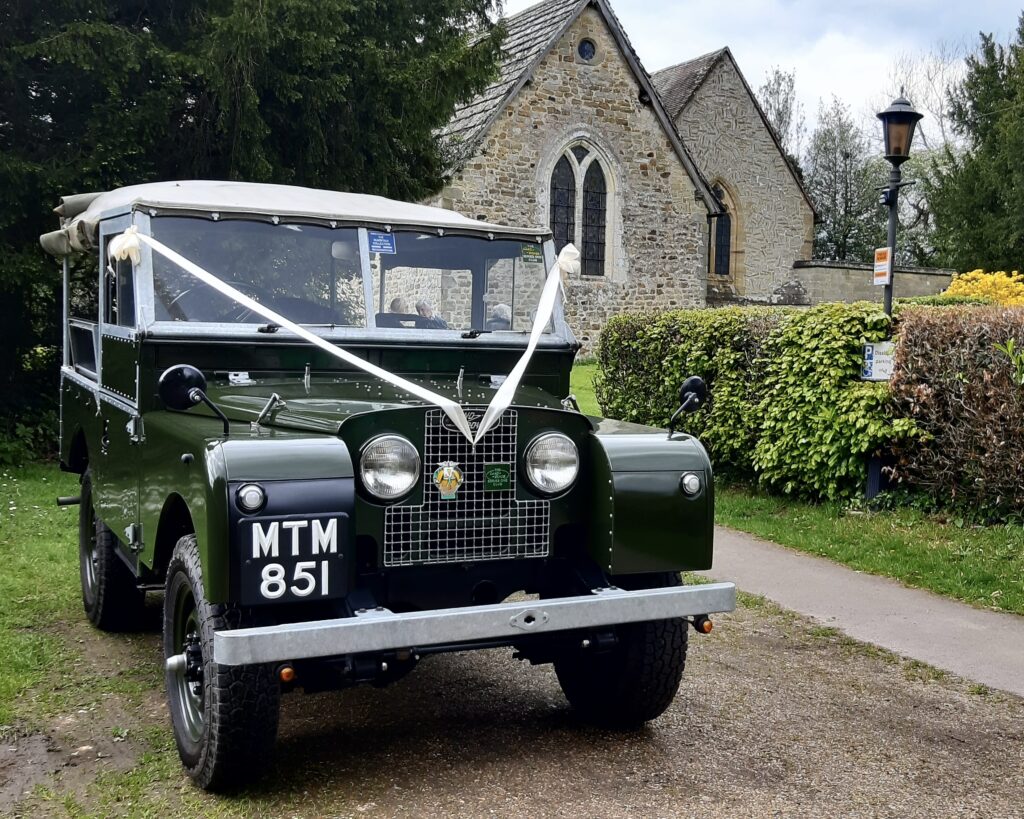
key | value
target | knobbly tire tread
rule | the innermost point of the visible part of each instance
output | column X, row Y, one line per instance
column 636, row 680
column 241, row 704
column 118, row 604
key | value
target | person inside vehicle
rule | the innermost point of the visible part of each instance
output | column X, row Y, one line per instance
column 398, row 305
column 428, row 320
column 500, row 318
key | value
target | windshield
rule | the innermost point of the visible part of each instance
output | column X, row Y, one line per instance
column 313, row 274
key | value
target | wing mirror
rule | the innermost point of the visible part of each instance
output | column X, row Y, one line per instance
column 692, row 396
column 183, row 386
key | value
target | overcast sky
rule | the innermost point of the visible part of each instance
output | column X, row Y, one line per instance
column 841, row 47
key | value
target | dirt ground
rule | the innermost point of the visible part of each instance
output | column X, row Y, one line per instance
column 776, row 717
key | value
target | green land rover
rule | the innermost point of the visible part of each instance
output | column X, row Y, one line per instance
column 336, row 432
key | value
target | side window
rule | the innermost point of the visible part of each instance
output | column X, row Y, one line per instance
column 120, row 293
column 83, row 312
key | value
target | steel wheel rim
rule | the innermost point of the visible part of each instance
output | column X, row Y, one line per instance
column 189, row 693
column 90, row 556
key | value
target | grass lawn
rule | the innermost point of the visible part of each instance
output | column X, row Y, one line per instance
column 582, row 385
column 38, row 575
column 984, row 565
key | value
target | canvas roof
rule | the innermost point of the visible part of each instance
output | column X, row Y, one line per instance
column 257, row 198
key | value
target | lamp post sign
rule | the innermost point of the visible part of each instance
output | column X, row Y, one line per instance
column 883, row 266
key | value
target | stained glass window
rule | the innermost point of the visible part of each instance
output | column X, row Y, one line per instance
column 563, row 203
column 595, row 195
column 723, row 238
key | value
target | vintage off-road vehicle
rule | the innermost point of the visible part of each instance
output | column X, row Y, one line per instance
column 336, row 431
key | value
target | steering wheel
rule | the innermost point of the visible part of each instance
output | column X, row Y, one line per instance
column 199, row 304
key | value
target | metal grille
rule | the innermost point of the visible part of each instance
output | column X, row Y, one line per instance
column 477, row 524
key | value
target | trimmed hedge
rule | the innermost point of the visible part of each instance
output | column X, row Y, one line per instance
column 967, row 397
column 787, row 405
column 644, row 358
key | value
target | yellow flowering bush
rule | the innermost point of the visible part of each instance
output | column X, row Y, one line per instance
column 1004, row 289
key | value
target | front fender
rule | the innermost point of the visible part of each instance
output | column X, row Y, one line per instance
column 185, row 457
column 642, row 520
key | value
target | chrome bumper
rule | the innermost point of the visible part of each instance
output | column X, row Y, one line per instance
column 382, row 630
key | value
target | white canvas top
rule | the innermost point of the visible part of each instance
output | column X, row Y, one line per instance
column 79, row 232
column 286, row 200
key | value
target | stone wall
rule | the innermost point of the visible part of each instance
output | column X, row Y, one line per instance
column 840, row 281
column 657, row 229
column 772, row 222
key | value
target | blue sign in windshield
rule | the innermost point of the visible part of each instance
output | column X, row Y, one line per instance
column 381, row 242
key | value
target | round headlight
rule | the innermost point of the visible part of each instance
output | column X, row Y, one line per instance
column 552, row 463
column 251, row 497
column 389, row 467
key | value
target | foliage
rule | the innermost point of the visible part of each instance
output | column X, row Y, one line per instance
column 341, row 94
column 977, row 195
column 643, row 360
column 842, row 176
column 818, row 421
column 784, row 111
column 1002, row 288
column 786, row 404
column 964, row 395
column 1015, row 355
column 943, row 300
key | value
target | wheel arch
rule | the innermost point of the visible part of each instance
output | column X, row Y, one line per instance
column 175, row 522
column 78, row 453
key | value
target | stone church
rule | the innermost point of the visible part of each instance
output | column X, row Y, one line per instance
column 673, row 186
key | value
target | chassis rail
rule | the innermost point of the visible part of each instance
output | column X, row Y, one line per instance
column 382, row 629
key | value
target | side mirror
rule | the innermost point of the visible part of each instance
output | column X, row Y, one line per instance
column 183, row 386
column 693, row 394
column 180, row 386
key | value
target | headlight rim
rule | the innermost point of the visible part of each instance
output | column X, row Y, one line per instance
column 416, row 472
column 527, row 453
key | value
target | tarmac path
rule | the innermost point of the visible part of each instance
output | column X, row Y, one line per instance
column 977, row 644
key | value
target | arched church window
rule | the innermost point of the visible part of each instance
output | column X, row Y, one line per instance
column 595, row 195
column 579, row 206
column 563, row 203
column 723, row 237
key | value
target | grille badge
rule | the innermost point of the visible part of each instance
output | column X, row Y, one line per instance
column 448, row 478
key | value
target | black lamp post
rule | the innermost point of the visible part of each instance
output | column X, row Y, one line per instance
column 898, row 123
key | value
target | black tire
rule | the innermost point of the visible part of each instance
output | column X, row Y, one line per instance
column 224, row 717
column 110, row 594
column 637, row 679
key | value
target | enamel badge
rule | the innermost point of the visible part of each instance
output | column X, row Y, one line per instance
column 448, row 478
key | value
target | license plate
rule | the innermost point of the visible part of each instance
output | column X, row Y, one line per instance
column 289, row 559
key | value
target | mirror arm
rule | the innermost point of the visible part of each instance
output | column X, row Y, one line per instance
column 672, row 420
column 197, row 396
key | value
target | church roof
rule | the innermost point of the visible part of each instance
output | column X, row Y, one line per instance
column 678, row 83
column 530, row 35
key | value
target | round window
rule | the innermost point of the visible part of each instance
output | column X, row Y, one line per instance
column 586, row 49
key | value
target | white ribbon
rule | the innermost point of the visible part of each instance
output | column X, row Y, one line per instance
column 128, row 245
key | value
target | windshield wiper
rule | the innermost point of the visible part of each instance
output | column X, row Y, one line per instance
column 474, row 333
column 268, row 328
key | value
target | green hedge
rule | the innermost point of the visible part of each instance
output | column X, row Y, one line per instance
column 643, row 360
column 787, row 405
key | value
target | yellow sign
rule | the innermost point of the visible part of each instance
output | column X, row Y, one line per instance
column 883, row 266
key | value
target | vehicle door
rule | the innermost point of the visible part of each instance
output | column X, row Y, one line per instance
column 117, row 466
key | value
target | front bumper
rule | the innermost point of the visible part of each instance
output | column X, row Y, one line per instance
column 383, row 630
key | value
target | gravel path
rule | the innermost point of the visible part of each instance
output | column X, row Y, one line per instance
column 777, row 717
